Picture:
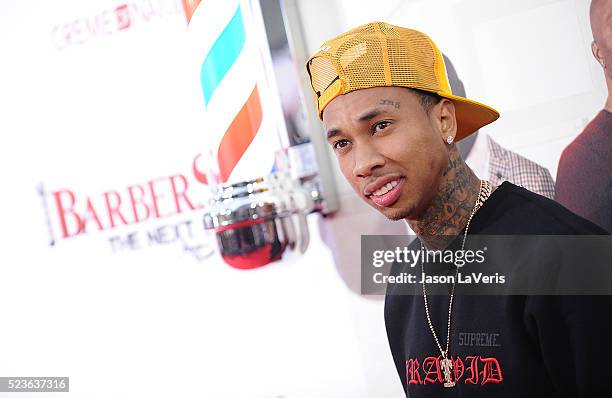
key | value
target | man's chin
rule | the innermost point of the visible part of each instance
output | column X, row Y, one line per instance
column 393, row 213
column 396, row 214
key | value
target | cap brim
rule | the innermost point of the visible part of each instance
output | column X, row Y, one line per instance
column 470, row 115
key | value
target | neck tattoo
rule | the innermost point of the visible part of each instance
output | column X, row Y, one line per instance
column 447, row 363
column 448, row 212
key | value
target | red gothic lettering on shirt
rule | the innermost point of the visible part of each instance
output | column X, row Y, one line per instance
column 458, row 368
column 412, row 371
column 431, row 367
column 491, row 372
column 471, row 369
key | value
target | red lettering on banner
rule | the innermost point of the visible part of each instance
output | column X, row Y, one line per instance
column 136, row 201
column 63, row 211
column 146, row 12
column 110, row 21
column 154, row 197
column 412, row 371
column 98, row 25
column 199, row 176
column 432, row 375
column 132, row 205
column 90, row 214
column 113, row 209
column 123, row 16
column 491, row 373
column 181, row 194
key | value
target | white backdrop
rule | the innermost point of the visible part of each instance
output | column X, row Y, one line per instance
column 98, row 104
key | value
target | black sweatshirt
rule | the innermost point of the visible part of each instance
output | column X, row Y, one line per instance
column 507, row 346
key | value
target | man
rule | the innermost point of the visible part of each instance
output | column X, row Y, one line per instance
column 584, row 176
column 392, row 120
column 490, row 161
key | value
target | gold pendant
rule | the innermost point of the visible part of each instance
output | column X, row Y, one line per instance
column 447, row 367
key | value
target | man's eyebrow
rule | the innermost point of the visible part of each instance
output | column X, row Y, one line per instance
column 332, row 133
column 371, row 114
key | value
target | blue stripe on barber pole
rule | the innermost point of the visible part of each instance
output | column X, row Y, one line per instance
column 222, row 55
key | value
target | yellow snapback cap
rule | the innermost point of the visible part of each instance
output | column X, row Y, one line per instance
column 378, row 54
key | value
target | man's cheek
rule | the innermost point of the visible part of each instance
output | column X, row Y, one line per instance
column 346, row 171
column 346, row 168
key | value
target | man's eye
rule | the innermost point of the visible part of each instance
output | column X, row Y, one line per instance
column 340, row 144
column 381, row 126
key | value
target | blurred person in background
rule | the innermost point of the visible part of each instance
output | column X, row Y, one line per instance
column 490, row 161
column 584, row 175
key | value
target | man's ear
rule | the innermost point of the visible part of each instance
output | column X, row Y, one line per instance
column 444, row 114
column 597, row 54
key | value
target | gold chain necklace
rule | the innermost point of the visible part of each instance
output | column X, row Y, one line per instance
column 446, row 364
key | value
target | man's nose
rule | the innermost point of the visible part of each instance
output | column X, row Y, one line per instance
column 367, row 159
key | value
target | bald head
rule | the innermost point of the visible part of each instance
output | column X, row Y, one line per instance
column 600, row 14
column 601, row 26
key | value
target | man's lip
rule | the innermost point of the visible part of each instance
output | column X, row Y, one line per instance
column 389, row 198
column 379, row 183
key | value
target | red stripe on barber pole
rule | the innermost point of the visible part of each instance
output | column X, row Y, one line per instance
column 239, row 135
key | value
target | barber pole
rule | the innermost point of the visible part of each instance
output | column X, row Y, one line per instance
column 257, row 216
column 242, row 113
